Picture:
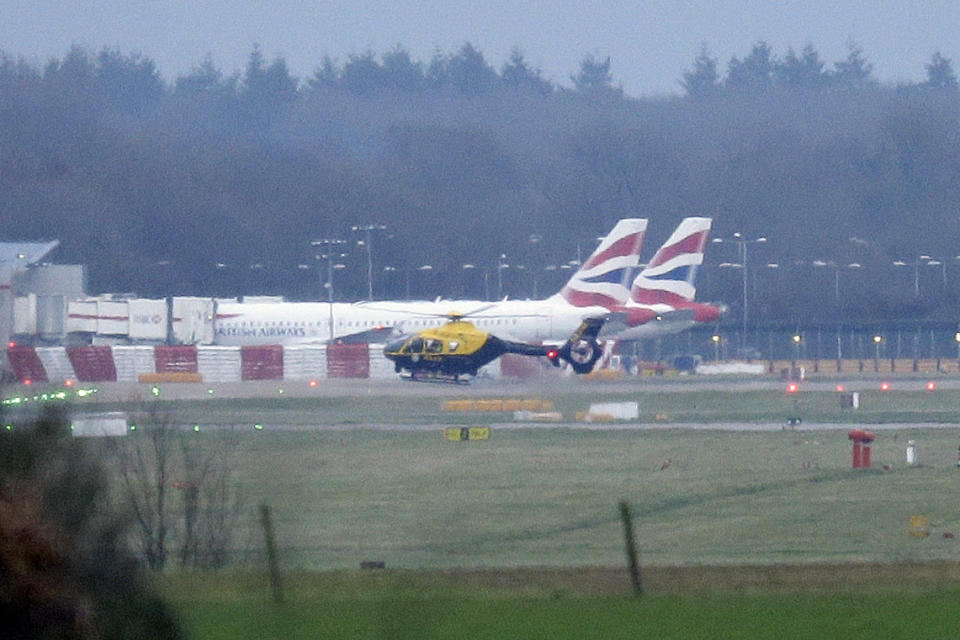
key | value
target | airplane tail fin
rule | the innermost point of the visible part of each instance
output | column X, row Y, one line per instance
column 603, row 279
column 669, row 277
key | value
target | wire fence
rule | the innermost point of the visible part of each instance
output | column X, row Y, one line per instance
column 806, row 342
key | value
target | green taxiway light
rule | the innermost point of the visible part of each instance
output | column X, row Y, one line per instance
column 258, row 427
column 82, row 393
column 155, row 390
column 133, row 427
column 210, row 391
column 8, row 427
column 280, row 391
column 196, row 428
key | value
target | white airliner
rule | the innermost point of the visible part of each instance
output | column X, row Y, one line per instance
column 600, row 284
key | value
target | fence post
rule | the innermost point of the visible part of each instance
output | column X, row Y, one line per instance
column 275, row 584
column 632, row 565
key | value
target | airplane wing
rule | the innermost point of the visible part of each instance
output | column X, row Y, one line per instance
column 376, row 335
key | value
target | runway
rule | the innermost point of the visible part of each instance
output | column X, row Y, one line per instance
column 345, row 387
column 399, row 405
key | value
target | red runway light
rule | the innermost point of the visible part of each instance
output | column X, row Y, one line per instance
column 313, row 383
column 931, row 386
column 792, row 387
column 27, row 381
column 885, row 386
column 68, row 383
column 840, row 388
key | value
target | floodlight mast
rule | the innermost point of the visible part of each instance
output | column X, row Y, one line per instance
column 742, row 243
column 366, row 229
column 328, row 255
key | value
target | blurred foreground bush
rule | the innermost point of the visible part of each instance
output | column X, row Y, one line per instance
column 65, row 568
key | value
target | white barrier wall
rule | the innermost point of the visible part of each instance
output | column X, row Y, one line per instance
column 130, row 362
column 380, row 366
column 304, row 362
column 219, row 364
column 125, row 363
column 56, row 363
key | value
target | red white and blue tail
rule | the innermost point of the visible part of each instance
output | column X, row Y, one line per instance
column 669, row 277
column 603, row 280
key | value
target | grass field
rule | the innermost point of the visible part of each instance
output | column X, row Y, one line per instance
column 548, row 497
column 418, row 606
column 741, row 534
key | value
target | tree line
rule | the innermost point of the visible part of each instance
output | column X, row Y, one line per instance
column 215, row 183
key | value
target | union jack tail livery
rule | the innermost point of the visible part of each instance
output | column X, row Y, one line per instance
column 603, row 279
column 669, row 277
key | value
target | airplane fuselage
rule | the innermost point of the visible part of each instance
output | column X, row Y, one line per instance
column 290, row 323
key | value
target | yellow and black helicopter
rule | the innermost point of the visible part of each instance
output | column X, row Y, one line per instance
column 459, row 348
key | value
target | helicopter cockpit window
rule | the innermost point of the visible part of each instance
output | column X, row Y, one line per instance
column 434, row 346
column 453, row 345
column 415, row 346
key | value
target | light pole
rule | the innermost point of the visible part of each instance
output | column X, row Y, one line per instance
column 534, row 240
column 501, row 265
column 715, row 339
column 327, row 252
column 742, row 243
column 927, row 261
column 797, row 339
column 933, row 262
column 877, row 339
column 467, row 268
column 367, row 228
column 836, row 273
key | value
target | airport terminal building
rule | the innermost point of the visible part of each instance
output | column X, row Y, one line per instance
column 34, row 293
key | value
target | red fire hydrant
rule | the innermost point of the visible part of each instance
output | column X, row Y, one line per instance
column 861, row 447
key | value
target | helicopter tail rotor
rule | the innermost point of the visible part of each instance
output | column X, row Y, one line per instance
column 581, row 350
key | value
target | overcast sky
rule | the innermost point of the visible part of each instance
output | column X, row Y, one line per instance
column 650, row 43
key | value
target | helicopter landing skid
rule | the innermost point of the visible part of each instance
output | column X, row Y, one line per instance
column 434, row 377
